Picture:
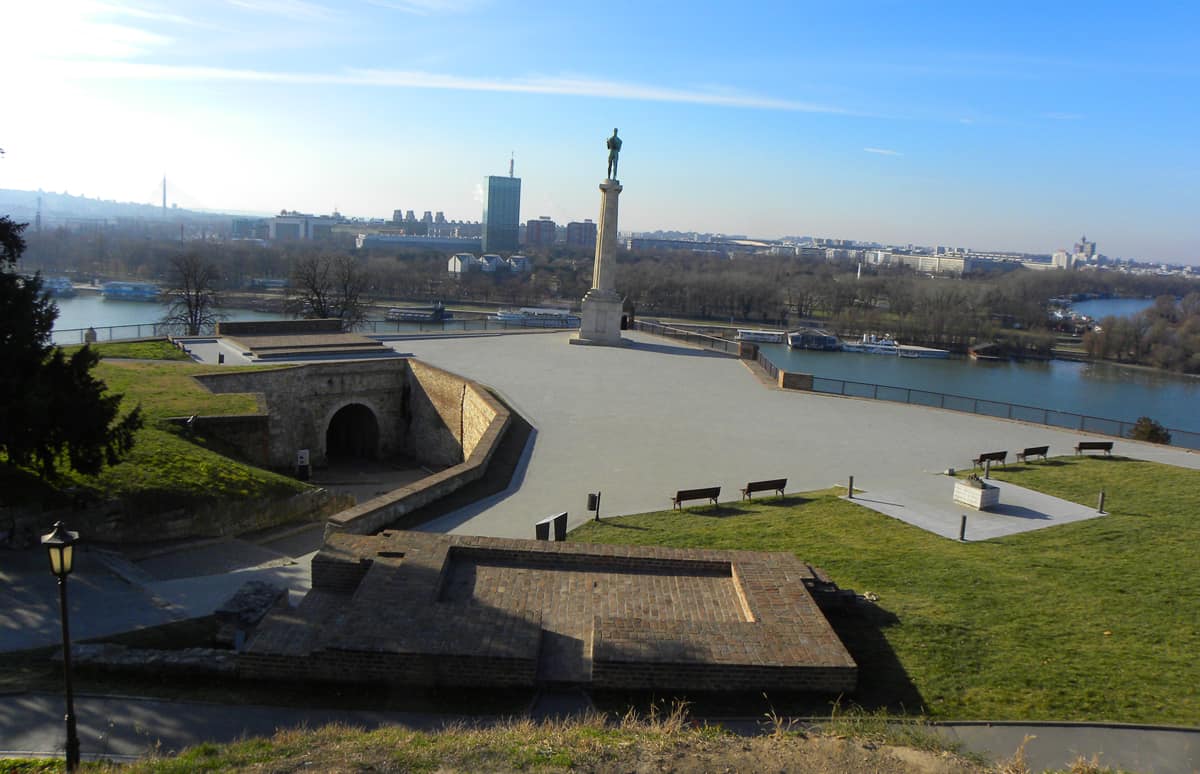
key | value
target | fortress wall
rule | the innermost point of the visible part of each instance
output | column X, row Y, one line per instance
column 301, row 400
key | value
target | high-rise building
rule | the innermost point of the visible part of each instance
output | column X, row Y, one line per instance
column 540, row 232
column 502, row 213
column 1085, row 248
column 581, row 234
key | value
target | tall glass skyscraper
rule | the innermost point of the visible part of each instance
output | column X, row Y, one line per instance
column 502, row 214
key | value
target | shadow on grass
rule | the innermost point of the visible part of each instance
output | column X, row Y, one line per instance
column 786, row 501
column 883, row 683
column 719, row 511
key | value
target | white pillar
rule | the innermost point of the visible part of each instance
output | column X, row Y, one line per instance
column 601, row 317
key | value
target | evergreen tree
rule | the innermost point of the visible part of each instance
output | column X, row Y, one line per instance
column 51, row 407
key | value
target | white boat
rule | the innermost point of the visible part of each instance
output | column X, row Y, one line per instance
column 767, row 337
column 885, row 345
column 535, row 317
column 907, row 350
column 872, row 345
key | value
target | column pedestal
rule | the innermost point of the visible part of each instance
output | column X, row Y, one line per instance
column 600, row 321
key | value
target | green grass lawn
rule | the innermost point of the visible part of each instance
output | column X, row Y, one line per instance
column 164, row 470
column 156, row 349
column 1096, row 620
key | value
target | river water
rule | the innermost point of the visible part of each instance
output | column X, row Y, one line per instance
column 1094, row 389
column 1099, row 308
column 111, row 318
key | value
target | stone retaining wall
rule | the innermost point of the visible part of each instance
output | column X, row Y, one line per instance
column 794, row 381
column 114, row 522
column 279, row 327
column 480, row 410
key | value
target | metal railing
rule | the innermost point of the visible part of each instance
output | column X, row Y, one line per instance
column 464, row 324
column 765, row 363
column 69, row 336
column 1065, row 420
column 690, row 337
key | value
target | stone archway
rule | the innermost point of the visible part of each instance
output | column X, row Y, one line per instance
column 353, row 432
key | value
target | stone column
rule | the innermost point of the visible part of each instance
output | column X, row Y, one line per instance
column 601, row 317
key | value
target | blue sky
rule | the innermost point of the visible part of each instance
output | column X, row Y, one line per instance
column 995, row 126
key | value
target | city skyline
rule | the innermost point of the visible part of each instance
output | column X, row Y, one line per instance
column 995, row 128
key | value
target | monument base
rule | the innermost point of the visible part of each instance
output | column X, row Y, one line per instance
column 600, row 321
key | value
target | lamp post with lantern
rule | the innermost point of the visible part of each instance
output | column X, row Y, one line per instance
column 60, row 544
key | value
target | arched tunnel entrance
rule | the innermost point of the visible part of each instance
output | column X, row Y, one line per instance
column 353, row 433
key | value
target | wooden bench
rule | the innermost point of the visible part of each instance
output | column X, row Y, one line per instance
column 1085, row 446
column 771, row 485
column 1033, row 451
column 999, row 456
column 710, row 493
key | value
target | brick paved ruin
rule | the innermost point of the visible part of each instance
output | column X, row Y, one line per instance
column 429, row 609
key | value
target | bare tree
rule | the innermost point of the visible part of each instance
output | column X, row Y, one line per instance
column 193, row 294
column 330, row 286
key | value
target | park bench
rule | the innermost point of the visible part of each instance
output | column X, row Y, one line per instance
column 997, row 456
column 771, row 485
column 1085, row 446
column 1032, row 451
column 710, row 493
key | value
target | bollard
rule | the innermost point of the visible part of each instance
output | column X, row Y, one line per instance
column 987, row 469
column 962, row 529
column 850, row 489
column 1100, row 507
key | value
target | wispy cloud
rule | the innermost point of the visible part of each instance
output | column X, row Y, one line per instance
column 426, row 7
column 1063, row 116
column 142, row 12
column 883, row 151
column 300, row 10
column 577, row 86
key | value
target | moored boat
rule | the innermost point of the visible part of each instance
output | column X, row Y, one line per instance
column 129, row 291
column 872, row 345
column 435, row 313
column 814, row 338
column 535, row 317
column 764, row 336
column 59, row 287
column 886, row 345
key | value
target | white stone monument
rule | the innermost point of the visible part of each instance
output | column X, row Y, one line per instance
column 601, row 317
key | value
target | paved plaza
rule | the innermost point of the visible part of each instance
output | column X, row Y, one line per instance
column 639, row 422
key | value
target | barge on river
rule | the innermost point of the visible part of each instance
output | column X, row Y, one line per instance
column 435, row 313
column 766, row 337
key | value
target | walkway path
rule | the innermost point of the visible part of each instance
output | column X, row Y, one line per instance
column 119, row 726
column 926, row 501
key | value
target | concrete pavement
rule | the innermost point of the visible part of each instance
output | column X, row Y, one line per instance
column 640, row 422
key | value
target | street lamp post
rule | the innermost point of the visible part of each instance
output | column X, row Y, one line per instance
column 60, row 544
